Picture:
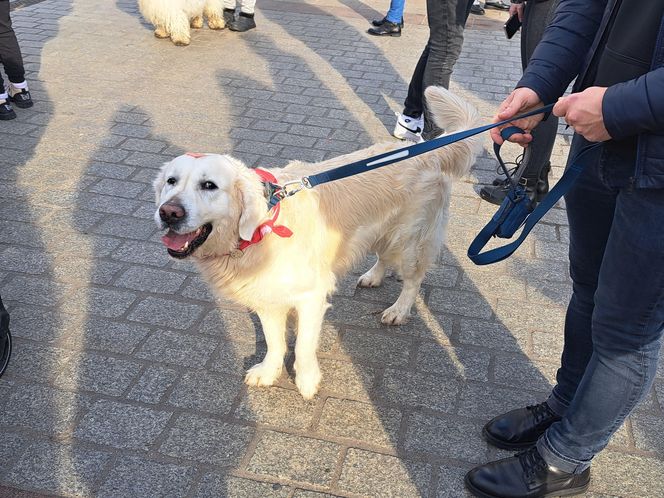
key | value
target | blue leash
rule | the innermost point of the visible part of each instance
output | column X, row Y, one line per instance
column 277, row 193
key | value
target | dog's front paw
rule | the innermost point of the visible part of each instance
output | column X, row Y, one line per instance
column 262, row 374
column 395, row 315
column 216, row 22
column 196, row 22
column 308, row 383
column 161, row 32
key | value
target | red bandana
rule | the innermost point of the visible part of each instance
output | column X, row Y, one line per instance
column 268, row 226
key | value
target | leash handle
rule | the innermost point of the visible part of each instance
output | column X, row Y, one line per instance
column 515, row 210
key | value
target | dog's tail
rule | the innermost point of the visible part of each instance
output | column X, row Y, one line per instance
column 453, row 114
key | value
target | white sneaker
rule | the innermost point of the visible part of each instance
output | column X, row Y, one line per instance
column 408, row 128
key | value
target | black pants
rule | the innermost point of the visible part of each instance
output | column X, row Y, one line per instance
column 10, row 53
column 537, row 16
column 447, row 20
column 5, row 338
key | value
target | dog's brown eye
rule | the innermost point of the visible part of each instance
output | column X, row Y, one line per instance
column 171, row 181
column 208, row 186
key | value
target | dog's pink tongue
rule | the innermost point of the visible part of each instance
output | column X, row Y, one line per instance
column 176, row 241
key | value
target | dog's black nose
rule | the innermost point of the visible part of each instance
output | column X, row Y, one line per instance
column 170, row 212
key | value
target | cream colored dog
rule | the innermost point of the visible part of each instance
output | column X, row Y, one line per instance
column 211, row 203
column 174, row 17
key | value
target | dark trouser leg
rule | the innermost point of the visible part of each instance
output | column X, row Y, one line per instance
column 615, row 319
column 10, row 53
column 537, row 154
column 447, row 19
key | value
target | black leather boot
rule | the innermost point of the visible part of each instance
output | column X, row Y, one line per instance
column 536, row 187
column 520, row 428
column 229, row 16
column 244, row 22
column 386, row 29
column 525, row 475
column 380, row 22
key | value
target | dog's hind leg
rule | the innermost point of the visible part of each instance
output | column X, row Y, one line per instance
column 268, row 371
column 213, row 11
column 310, row 313
column 196, row 22
column 413, row 271
column 374, row 277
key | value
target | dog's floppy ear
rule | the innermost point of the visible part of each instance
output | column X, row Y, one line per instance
column 253, row 205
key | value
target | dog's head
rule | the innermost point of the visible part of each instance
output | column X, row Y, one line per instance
column 207, row 202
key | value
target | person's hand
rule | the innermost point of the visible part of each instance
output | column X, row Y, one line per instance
column 583, row 112
column 517, row 8
column 519, row 101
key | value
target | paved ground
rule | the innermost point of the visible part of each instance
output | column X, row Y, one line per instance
column 126, row 378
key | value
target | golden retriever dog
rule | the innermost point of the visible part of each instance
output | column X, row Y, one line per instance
column 210, row 204
column 174, row 17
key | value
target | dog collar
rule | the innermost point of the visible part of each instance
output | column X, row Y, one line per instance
column 266, row 227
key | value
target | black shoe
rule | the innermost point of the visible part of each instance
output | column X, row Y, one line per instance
column 6, row 111
column 229, row 16
column 22, row 99
column 380, row 22
column 386, row 29
column 536, row 188
column 519, row 429
column 244, row 22
column 525, row 475
column 477, row 10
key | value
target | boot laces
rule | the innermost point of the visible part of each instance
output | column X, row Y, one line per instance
column 515, row 166
column 541, row 412
column 531, row 462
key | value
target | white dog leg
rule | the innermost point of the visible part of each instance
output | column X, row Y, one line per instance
column 196, row 22
column 374, row 277
column 268, row 371
column 398, row 313
column 310, row 315
column 180, row 34
column 213, row 11
column 160, row 32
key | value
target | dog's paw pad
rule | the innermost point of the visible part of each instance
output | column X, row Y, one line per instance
column 395, row 316
column 261, row 375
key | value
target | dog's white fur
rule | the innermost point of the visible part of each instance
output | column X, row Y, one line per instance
column 399, row 212
column 174, row 17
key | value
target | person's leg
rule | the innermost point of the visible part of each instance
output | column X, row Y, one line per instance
column 413, row 106
column 395, row 14
column 627, row 324
column 9, row 49
column 245, row 20
column 447, row 20
column 535, row 165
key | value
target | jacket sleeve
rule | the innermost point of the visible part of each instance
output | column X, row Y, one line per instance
column 562, row 51
column 635, row 106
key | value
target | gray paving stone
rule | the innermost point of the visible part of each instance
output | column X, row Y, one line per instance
column 120, row 188
column 61, row 469
column 106, row 335
column 145, row 253
column 419, row 390
column 104, row 302
column 98, row 373
column 205, row 391
column 144, row 145
column 453, row 362
column 237, row 357
column 360, row 421
column 121, row 425
column 24, row 260
column 206, row 440
column 150, row 280
column 519, row 371
column 275, row 406
column 360, row 346
column 373, row 474
column 494, row 335
column 153, row 384
column 176, row 348
column 43, row 409
column 147, row 478
column 648, row 432
column 450, row 483
column 446, row 437
column 216, row 485
column 11, row 446
column 613, row 473
column 460, row 303
column 105, row 203
column 76, row 270
column 33, row 290
column 485, row 401
column 197, row 288
column 166, row 313
column 127, row 227
column 35, row 361
column 287, row 456
column 232, row 325
column 131, row 130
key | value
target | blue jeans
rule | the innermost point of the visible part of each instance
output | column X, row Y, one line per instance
column 615, row 317
column 395, row 14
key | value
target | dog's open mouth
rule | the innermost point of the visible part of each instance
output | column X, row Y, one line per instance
column 181, row 245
